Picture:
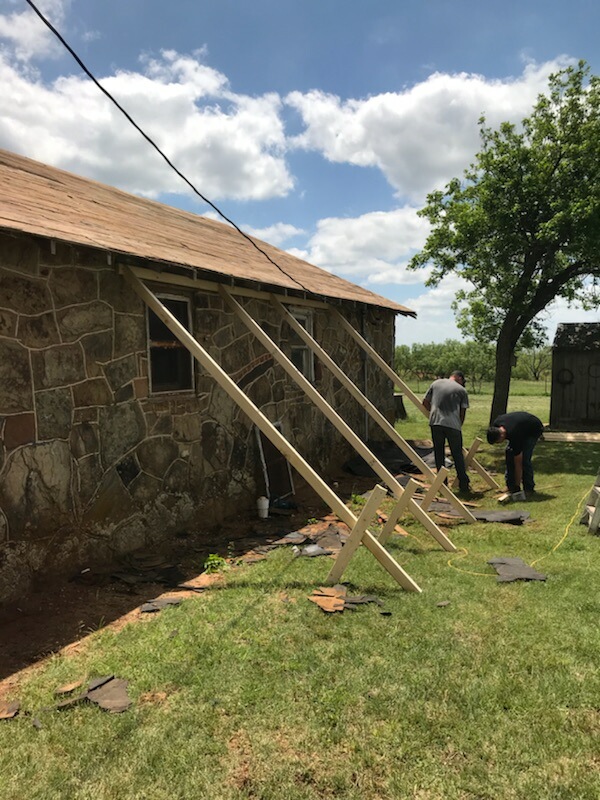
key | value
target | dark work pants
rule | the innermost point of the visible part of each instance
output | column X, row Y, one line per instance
column 528, row 481
column 439, row 435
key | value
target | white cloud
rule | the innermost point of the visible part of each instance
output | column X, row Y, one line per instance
column 276, row 234
column 435, row 318
column 372, row 248
column 422, row 136
column 228, row 145
column 25, row 34
column 234, row 146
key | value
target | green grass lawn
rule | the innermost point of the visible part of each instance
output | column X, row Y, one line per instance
column 250, row 691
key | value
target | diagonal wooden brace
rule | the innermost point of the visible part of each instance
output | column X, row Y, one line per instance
column 472, row 463
column 395, row 514
column 434, row 488
column 336, row 420
column 406, row 389
column 378, row 417
column 260, row 420
column 357, row 534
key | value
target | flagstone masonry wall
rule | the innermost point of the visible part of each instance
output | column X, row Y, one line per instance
column 92, row 465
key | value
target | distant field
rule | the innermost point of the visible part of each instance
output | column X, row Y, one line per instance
column 517, row 387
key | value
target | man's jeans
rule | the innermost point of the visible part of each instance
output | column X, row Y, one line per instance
column 528, row 481
column 439, row 435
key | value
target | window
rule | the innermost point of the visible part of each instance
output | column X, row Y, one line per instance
column 170, row 362
column 301, row 355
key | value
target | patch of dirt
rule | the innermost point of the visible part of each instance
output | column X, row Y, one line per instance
column 240, row 759
column 153, row 698
column 61, row 612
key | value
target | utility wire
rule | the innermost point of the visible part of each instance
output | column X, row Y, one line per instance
column 150, row 141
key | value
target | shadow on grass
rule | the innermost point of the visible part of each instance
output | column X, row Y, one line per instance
column 574, row 458
column 539, row 497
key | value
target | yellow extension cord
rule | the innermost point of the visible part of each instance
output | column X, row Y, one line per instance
column 463, row 553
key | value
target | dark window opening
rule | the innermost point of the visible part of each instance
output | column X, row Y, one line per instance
column 301, row 355
column 170, row 362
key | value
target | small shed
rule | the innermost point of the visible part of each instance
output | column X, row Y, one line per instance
column 575, row 398
column 112, row 436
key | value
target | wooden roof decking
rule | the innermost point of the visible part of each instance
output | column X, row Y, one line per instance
column 45, row 201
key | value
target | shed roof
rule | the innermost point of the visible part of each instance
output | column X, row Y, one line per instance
column 577, row 336
column 45, row 201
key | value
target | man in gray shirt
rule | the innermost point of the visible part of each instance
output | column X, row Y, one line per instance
column 447, row 401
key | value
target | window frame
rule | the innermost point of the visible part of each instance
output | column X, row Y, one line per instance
column 177, row 346
column 305, row 318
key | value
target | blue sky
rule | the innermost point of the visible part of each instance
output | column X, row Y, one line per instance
column 317, row 125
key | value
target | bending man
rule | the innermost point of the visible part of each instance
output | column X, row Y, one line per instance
column 447, row 402
column 521, row 431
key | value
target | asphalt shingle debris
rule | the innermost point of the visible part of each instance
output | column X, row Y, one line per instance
column 336, row 598
column 514, row 569
column 108, row 692
column 158, row 604
column 10, row 709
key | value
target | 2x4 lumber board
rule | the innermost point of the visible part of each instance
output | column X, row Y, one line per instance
column 370, row 408
column 358, row 531
column 258, row 418
column 470, row 456
column 471, row 462
column 483, row 473
column 395, row 514
column 406, row 389
column 199, row 284
column 434, row 488
column 386, row 561
column 331, row 414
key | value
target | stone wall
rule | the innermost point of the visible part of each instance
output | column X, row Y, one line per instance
column 92, row 465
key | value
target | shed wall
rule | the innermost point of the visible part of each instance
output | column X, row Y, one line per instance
column 575, row 398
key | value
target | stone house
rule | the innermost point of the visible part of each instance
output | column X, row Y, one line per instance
column 575, row 394
column 112, row 436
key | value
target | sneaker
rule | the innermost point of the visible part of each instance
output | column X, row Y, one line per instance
column 518, row 497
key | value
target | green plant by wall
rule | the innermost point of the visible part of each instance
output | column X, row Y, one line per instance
column 215, row 563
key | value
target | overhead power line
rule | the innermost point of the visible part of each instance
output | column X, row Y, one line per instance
column 150, row 141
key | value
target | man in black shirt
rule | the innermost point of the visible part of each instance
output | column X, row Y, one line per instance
column 521, row 431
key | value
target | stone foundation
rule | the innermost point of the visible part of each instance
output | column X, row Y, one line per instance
column 91, row 464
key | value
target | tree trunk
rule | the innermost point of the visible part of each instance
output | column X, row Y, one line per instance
column 505, row 348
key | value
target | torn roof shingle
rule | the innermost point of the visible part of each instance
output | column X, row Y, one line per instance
column 45, row 201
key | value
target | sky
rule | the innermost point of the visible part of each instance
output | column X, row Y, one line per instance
column 317, row 125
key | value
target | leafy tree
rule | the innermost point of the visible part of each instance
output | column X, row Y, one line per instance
column 476, row 360
column 435, row 360
column 523, row 226
column 534, row 363
column 402, row 360
column 427, row 362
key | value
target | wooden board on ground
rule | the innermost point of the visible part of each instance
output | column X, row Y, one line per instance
column 574, row 436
